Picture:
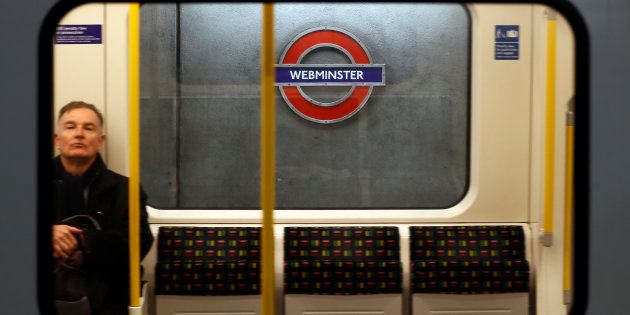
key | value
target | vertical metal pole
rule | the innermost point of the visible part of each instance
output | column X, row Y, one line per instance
column 568, row 208
column 550, row 130
column 267, row 160
column 134, row 161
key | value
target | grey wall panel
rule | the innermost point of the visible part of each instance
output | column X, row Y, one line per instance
column 375, row 159
column 413, row 40
column 158, row 151
column 220, row 44
column 608, row 25
column 317, row 166
column 407, row 148
column 220, row 153
column 24, row 115
column 158, row 91
column 158, row 44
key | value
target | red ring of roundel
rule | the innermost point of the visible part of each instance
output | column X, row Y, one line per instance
column 342, row 110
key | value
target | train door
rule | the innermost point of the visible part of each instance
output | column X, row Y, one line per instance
column 419, row 118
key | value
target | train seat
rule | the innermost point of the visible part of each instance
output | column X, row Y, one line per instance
column 353, row 269
column 479, row 269
column 205, row 269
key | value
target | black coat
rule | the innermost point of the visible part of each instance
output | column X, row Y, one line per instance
column 107, row 262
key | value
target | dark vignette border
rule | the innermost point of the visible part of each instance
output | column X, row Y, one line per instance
column 45, row 118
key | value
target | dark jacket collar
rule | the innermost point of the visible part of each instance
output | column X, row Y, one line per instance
column 97, row 167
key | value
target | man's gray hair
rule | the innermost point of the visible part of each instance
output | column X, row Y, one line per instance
column 80, row 104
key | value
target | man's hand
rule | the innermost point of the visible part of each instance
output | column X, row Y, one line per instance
column 64, row 240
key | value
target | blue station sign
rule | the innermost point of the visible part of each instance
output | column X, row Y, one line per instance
column 330, row 75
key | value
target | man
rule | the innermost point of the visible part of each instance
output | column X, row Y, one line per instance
column 84, row 185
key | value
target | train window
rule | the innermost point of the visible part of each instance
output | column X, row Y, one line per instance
column 406, row 145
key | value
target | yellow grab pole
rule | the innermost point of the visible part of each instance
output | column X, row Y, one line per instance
column 267, row 159
column 568, row 207
column 550, row 130
column 134, row 160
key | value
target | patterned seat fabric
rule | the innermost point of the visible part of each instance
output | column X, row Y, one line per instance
column 208, row 261
column 468, row 259
column 342, row 260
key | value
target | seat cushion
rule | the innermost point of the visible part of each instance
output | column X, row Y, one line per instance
column 342, row 277
column 207, row 277
column 470, row 276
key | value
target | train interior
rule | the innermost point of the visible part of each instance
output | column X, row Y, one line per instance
column 447, row 190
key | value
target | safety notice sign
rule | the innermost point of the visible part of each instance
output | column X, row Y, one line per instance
column 79, row 34
column 506, row 42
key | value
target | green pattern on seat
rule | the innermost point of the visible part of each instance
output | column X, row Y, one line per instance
column 343, row 260
column 468, row 259
column 208, row 261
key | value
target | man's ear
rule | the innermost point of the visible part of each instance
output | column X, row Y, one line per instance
column 56, row 140
column 102, row 141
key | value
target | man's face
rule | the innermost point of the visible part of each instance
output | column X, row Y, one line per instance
column 78, row 134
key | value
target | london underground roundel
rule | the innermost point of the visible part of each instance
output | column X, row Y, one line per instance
column 361, row 75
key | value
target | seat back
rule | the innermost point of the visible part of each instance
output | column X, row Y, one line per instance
column 224, row 243
column 468, row 259
column 342, row 243
column 208, row 261
column 342, row 260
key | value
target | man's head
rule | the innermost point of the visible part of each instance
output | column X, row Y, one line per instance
column 79, row 133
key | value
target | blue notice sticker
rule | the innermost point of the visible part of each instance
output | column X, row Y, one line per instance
column 79, row 34
column 506, row 42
